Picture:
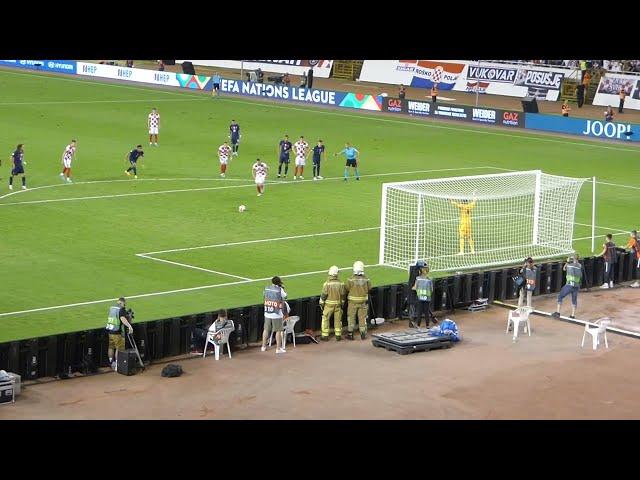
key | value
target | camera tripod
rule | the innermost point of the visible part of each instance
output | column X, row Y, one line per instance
column 135, row 347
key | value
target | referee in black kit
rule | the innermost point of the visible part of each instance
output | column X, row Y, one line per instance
column 318, row 153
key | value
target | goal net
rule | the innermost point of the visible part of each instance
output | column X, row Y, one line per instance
column 477, row 221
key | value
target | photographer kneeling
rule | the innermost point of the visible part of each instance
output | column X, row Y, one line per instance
column 118, row 316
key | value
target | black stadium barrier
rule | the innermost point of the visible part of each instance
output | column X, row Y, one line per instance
column 157, row 339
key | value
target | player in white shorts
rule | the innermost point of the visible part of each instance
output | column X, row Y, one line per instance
column 153, row 123
column 67, row 157
column 301, row 147
column 259, row 173
column 224, row 152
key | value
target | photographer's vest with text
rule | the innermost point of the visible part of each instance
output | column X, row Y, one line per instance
column 574, row 274
column 273, row 300
column 424, row 289
column 530, row 276
column 113, row 321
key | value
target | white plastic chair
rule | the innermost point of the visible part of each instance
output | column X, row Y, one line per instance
column 518, row 316
column 219, row 344
column 287, row 328
column 596, row 331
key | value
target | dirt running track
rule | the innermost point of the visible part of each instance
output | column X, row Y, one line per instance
column 486, row 376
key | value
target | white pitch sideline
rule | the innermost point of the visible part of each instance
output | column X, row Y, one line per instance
column 169, row 292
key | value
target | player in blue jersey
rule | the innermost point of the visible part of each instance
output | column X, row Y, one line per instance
column 351, row 153
column 133, row 157
column 234, row 135
column 17, row 158
column 284, row 149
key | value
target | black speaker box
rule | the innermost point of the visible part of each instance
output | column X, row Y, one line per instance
column 529, row 105
column 187, row 67
column 127, row 362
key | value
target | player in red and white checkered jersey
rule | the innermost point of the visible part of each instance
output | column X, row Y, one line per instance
column 224, row 152
column 153, row 122
column 67, row 157
column 259, row 172
column 301, row 147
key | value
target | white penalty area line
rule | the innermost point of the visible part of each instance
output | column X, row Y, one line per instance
column 249, row 184
column 191, row 289
column 149, row 255
column 262, row 240
column 169, row 292
column 192, row 266
column 90, row 182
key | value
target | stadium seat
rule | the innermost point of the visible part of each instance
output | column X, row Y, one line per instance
column 287, row 328
column 518, row 316
column 595, row 329
column 224, row 340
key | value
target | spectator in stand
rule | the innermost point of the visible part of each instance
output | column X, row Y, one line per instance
column 286, row 80
column 580, row 95
column 610, row 255
column 583, row 68
column 310, row 78
column 434, row 93
column 565, row 108
column 303, row 80
column 623, row 94
column 129, row 63
column 161, row 65
column 586, row 80
column 401, row 92
column 634, row 245
column 608, row 114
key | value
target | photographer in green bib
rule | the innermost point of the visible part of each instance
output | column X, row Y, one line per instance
column 572, row 285
column 424, row 291
column 117, row 320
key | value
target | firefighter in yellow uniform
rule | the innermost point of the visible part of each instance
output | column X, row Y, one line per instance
column 332, row 299
column 357, row 287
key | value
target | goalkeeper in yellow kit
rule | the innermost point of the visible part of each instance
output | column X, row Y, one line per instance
column 464, row 227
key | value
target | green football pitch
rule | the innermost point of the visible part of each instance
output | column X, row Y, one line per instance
column 68, row 249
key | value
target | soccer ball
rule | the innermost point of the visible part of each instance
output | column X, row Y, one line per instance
column 242, row 208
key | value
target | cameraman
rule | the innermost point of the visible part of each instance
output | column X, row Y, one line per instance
column 118, row 316
column 528, row 274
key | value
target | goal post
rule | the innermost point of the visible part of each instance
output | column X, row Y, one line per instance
column 477, row 221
